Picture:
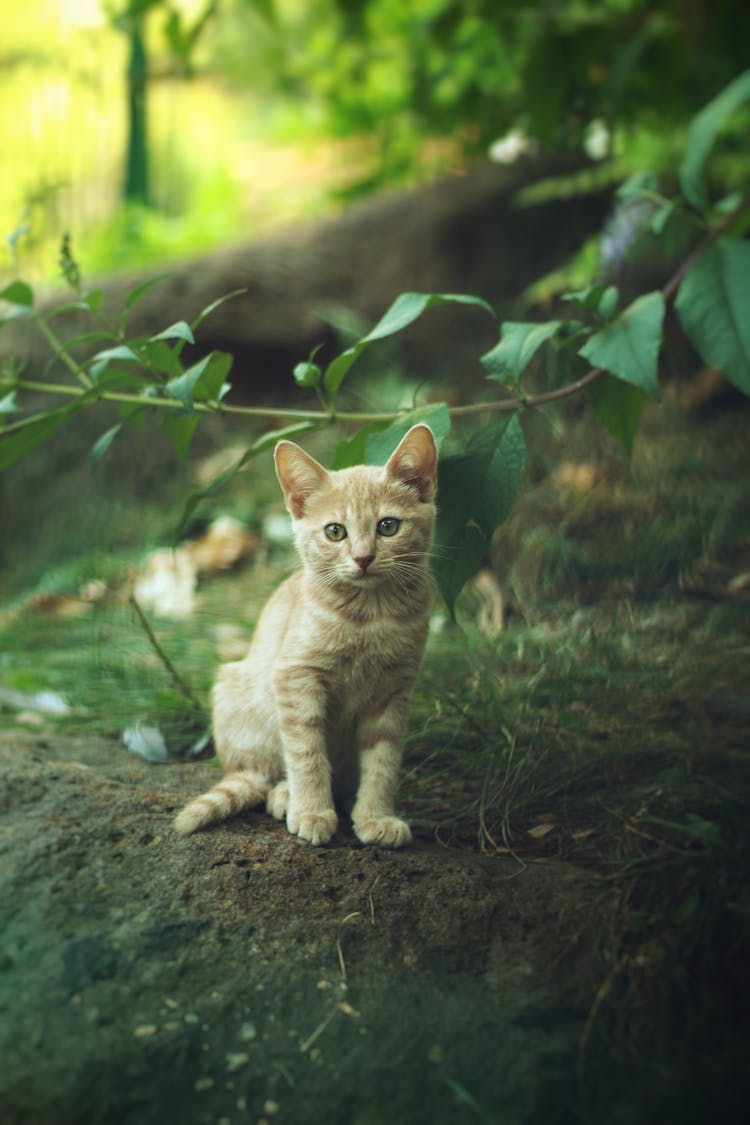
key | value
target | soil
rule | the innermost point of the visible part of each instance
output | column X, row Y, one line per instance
column 241, row 975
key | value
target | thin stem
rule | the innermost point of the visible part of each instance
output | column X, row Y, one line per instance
column 713, row 235
column 60, row 351
column 183, row 688
column 509, row 405
column 207, row 407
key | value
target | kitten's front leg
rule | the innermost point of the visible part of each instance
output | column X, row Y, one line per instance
column 301, row 702
column 380, row 741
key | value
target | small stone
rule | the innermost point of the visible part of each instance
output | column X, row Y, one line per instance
column 190, row 1017
column 270, row 1107
column 204, row 1084
column 248, row 1031
column 145, row 1030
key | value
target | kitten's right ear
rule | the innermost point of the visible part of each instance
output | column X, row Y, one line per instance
column 299, row 475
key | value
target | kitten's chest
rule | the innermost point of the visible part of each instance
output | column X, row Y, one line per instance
column 371, row 659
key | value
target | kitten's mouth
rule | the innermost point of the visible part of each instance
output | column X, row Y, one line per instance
column 364, row 576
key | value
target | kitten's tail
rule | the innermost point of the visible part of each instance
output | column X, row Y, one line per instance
column 236, row 791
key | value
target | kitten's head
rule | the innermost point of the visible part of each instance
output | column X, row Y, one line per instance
column 366, row 525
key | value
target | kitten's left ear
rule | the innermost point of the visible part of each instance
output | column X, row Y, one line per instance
column 299, row 475
column 414, row 461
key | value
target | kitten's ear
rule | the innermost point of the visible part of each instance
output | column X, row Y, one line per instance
column 299, row 475
column 414, row 461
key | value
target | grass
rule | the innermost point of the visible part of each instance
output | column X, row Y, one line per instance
column 605, row 727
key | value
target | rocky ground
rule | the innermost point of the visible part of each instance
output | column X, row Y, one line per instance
column 241, row 975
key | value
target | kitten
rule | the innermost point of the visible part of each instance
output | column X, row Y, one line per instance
column 319, row 704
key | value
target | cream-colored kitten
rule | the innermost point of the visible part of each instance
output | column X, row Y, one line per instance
column 319, row 703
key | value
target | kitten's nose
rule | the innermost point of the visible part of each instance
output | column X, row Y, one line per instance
column 363, row 561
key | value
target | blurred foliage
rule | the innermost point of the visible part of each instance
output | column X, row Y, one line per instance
column 472, row 71
column 603, row 346
column 253, row 112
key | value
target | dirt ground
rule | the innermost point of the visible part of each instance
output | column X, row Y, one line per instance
column 241, row 975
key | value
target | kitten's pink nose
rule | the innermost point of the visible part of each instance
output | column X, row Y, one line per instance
column 363, row 561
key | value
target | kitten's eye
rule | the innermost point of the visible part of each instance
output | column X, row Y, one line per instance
column 335, row 532
column 388, row 526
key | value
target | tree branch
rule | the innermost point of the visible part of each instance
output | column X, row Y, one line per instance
column 508, row 405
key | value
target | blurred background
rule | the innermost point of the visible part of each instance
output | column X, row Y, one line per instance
column 155, row 129
column 319, row 157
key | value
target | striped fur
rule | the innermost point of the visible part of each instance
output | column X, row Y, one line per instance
column 236, row 791
column 318, row 707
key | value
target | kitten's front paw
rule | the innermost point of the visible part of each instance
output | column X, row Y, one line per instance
column 316, row 827
column 385, row 831
column 278, row 800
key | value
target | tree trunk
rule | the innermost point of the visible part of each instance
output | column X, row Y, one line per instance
column 137, row 172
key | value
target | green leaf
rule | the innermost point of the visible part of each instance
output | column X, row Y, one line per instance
column 102, row 359
column 618, row 407
column 18, row 293
column 9, row 404
column 103, row 443
column 729, row 203
column 588, row 298
column 702, row 133
column 628, row 347
column 215, row 305
column 661, row 217
column 135, row 295
column 407, row 308
column 93, row 300
column 476, row 491
column 353, row 450
column 35, row 433
column 183, row 387
column 265, row 441
column 124, row 379
column 339, row 367
column 638, row 184
column 381, row 443
column 202, row 382
column 20, row 297
column 86, row 338
column 180, row 428
column 158, row 356
column 519, row 343
column 181, row 330
column 212, row 385
column 608, row 303
column 89, row 302
column 713, row 305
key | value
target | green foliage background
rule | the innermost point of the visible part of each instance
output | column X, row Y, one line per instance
column 617, row 348
column 301, row 104
column 404, row 79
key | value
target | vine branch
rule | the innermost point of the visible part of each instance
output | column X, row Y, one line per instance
column 509, row 404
